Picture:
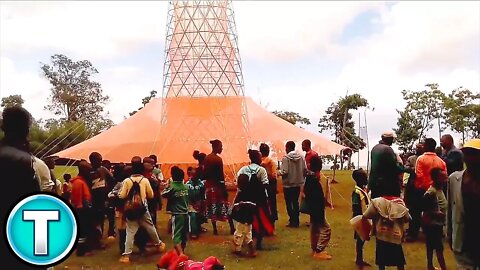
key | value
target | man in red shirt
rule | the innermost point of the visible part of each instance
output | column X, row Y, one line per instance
column 307, row 147
column 81, row 200
column 424, row 165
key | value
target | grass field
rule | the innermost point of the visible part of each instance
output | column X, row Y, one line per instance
column 289, row 249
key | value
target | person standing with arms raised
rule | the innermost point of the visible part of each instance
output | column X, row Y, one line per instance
column 216, row 190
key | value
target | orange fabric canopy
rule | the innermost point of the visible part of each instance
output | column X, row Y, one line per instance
column 189, row 124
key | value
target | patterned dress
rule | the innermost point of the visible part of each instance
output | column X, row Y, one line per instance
column 216, row 192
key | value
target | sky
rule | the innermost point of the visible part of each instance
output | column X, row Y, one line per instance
column 296, row 56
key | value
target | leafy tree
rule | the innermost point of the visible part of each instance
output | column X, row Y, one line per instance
column 292, row 117
column 407, row 131
column 12, row 101
column 57, row 137
column 145, row 101
column 338, row 121
column 74, row 95
column 462, row 112
column 422, row 108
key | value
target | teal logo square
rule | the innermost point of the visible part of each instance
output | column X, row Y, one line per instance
column 42, row 230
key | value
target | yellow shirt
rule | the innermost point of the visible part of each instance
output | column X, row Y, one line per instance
column 270, row 166
column 146, row 191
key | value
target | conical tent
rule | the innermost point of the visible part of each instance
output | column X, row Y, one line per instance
column 203, row 99
column 190, row 125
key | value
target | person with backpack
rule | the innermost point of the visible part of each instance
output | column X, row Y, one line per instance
column 177, row 206
column 136, row 190
column 242, row 212
column 262, row 224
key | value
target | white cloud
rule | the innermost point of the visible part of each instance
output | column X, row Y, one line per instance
column 416, row 43
column 86, row 29
column 32, row 87
column 282, row 30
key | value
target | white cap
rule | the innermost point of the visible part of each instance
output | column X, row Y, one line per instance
column 389, row 134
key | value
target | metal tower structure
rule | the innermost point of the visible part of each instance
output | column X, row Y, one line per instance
column 201, row 56
column 202, row 61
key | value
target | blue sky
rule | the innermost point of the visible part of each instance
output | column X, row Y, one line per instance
column 298, row 56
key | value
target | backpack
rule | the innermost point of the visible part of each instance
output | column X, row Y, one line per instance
column 134, row 207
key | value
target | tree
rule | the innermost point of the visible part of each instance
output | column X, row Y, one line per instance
column 49, row 138
column 462, row 112
column 145, row 101
column 12, row 101
column 407, row 131
column 422, row 108
column 338, row 121
column 292, row 117
column 74, row 95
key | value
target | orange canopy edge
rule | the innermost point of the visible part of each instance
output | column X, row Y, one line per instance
column 189, row 124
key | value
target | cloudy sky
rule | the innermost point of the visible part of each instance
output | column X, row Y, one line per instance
column 297, row 56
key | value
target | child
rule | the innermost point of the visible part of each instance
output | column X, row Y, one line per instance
column 172, row 261
column 177, row 206
column 390, row 216
column 67, row 187
column 120, row 221
column 320, row 231
column 242, row 211
column 434, row 213
column 196, row 197
column 360, row 202
column 155, row 203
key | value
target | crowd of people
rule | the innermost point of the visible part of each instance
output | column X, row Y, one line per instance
column 435, row 193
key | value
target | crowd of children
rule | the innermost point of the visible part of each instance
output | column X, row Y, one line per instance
column 252, row 210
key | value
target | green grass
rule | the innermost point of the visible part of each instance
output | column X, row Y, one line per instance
column 290, row 249
column 61, row 170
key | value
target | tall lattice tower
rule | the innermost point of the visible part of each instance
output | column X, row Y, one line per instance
column 202, row 57
column 203, row 71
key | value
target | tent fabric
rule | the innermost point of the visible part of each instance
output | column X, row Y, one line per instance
column 189, row 124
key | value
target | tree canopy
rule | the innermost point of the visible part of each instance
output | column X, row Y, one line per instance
column 292, row 117
column 12, row 101
column 74, row 95
column 338, row 121
column 145, row 101
column 459, row 110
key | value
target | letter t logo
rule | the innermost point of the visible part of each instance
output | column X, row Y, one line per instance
column 40, row 220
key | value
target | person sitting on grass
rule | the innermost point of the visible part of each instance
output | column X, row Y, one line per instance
column 320, row 231
column 360, row 202
column 433, row 218
column 177, row 205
